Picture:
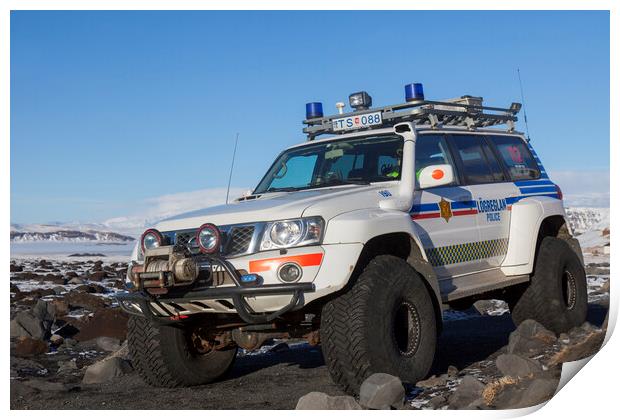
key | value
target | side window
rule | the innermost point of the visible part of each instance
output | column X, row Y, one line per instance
column 517, row 157
column 387, row 165
column 496, row 167
column 479, row 165
column 431, row 149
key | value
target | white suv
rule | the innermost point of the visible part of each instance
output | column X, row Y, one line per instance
column 358, row 239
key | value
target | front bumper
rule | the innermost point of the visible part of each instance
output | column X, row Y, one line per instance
column 163, row 308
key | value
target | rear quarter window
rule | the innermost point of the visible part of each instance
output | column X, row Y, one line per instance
column 517, row 157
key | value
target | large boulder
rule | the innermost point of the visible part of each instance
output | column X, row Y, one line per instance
column 522, row 394
column 517, row 366
column 322, row 401
column 106, row 370
column 382, row 391
column 467, row 395
column 530, row 338
column 26, row 324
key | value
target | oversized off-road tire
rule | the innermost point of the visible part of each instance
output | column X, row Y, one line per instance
column 164, row 356
column 384, row 323
column 557, row 294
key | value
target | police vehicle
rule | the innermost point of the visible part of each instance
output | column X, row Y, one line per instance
column 358, row 239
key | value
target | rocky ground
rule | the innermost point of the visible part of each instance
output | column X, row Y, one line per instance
column 68, row 351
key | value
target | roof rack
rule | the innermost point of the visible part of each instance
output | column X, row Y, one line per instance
column 466, row 111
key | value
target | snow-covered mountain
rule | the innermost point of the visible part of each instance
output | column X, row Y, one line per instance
column 584, row 219
column 591, row 226
column 58, row 232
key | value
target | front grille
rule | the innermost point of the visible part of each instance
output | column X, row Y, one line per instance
column 239, row 239
column 183, row 238
column 235, row 240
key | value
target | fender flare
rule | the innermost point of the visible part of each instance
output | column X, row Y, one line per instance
column 526, row 219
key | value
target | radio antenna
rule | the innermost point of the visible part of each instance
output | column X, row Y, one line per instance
column 527, row 128
column 232, row 165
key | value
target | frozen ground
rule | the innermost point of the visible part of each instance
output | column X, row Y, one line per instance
column 274, row 376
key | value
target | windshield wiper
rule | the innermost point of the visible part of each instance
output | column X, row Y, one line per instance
column 335, row 182
column 282, row 189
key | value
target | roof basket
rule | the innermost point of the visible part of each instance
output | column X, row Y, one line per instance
column 466, row 111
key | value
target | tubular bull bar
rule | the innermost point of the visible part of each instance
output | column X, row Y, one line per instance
column 147, row 302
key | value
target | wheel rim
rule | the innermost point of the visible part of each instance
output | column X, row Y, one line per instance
column 407, row 329
column 201, row 342
column 569, row 290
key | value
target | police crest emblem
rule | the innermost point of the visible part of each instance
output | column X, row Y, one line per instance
column 445, row 209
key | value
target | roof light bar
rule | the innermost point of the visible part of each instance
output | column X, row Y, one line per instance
column 314, row 110
column 360, row 100
column 414, row 92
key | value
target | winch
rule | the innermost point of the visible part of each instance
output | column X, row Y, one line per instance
column 163, row 268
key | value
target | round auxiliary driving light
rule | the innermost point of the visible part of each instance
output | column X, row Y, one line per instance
column 151, row 238
column 414, row 92
column 289, row 272
column 208, row 238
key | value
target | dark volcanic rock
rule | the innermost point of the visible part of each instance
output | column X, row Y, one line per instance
column 77, row 299
column 322, row 401
column 517, row 366
column 525, row 393
column 25, row 324
column 529, row 338
column 382, row 391
column 27, row 346
column 106, row 322
column 97, row 276
column 54, row 278
column 16, row 268
column 91, row 288
column 467, row 394
column 579, row 349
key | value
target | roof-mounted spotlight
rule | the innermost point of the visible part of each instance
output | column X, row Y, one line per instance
column 314, row 110
column 360, row 100
column 414, row 92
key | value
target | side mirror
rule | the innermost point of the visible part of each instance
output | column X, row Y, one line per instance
column 436, row 176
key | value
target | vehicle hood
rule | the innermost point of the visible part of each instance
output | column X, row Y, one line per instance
column 325, row 202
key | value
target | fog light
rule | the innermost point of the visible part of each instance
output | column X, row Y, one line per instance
column 289, row 272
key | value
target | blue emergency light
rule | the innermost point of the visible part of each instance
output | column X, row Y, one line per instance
column 314, row 110
column 414, row 92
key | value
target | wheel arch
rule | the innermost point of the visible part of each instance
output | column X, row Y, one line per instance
column 535, row 217
column 403, row 245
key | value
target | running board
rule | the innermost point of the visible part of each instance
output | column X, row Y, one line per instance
column 477, row 283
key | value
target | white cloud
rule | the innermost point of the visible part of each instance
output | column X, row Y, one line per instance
column 583, row 188
column 154, row 209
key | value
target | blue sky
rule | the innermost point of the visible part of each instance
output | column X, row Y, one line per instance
column 110, row 110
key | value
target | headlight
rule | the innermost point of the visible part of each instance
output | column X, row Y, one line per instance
column 208, row 238
column 290, row 233
column 151, row 238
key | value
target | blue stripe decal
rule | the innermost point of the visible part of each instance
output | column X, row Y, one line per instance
column 512, row 200
column 425, row 207
column 533, row 182
column 537, row 190
column 463, row 204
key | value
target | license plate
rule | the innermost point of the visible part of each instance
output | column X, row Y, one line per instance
column 357, row 121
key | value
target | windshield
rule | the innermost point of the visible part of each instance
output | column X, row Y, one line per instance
column 351, row 161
